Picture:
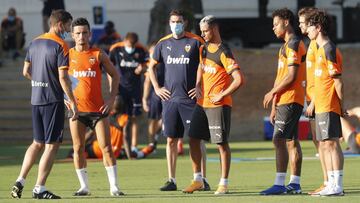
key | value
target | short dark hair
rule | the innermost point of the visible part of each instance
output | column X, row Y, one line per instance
column 59, row 16
column 132, row 37
column 322, row 19
column 285, row 14
column 306, row 12
column 80, row 22
column 177, row 12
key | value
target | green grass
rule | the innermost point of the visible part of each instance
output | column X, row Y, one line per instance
column 140, row 179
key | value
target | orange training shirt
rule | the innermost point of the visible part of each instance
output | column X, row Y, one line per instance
column 85, row 75
column 217, row 64
column 292, row 53
column 328, row 65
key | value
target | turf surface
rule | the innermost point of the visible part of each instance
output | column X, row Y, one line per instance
column 252, row 170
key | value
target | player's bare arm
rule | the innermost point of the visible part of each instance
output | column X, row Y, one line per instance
column 288, row 80
column 339, row 88
column 237, row 81
column 162, row 92
column 27, row 70
column 196, row 92
column 66, row 86
column 146, row 93
column 114, row 80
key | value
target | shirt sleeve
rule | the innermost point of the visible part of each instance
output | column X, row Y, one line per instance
column 157, row 53
column 63, row 58
column 228, row 61
column 333, row 61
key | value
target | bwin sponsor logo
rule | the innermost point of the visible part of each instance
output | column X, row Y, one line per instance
column 209, row 69
column 129, row 64
column 181, row 60
column 84, row 73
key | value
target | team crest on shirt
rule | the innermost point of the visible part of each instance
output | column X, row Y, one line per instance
column 136, row 55
column 187, row 47
column 92, row 60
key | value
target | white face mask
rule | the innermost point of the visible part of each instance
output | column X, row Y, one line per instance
column 129, row 50
column 177, row 28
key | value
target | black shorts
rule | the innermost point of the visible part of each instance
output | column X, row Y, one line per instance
column 48, row 122
column 211, row 123
column 176, row 118
column 328, row 126
column 89, row 119
column 286, row 121
column 155, row 107
column 132, row 101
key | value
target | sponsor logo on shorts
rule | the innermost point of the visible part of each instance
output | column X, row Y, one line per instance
column 39, row 84
column 318, row 72
column 214, row 127
column 280, row 64
column 279, row 122
column 322, row 123
column 188, row 121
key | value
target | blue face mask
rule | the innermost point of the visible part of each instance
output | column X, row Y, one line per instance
column 129, row 50
column 177, row 28
column 64, row 35
column 11, row 18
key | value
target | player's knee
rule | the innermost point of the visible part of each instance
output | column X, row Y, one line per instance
column 37, row 145
column 78, row 148
column 106, row 150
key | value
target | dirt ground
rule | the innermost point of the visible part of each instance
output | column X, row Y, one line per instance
column 259, row 67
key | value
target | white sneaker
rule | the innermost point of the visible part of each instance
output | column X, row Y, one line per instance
column 332, row 191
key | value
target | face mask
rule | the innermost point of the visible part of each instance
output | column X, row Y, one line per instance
column 11, row 18
column 64, row 35
column 129, row 50
column 177, row 28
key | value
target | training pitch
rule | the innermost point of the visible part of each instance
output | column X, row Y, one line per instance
column 252, row 170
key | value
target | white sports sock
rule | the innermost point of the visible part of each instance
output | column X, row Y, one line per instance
column 294, row 179
column 21, row 180
column 83, row 179
column 39, row 189
column 224, row 181
column 338, row 176
column 172, row 180
column 112, row 176
column 280, row 179
column 331, row 178
column 198, row 177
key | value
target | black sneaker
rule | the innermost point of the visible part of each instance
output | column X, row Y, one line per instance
column 82, row 193
column 17, row 190
column 206, row 186
column 169, row 186
column 45, row 195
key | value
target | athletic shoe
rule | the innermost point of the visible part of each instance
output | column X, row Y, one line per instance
column 206, row 185
column 194, row 186
column 293, row 188
column 316, row 192
column 332, row 191
column 274, row 190
column 82, row 193
column 169, row 186
column 117, row 193
column 222, row 190
column 17, row 190
column 45, row 195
